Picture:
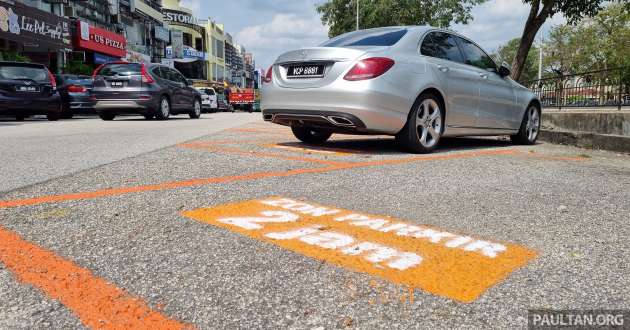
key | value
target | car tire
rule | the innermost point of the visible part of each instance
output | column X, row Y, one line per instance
column 425, row 125
column 53, row 116
column 530, row 127
column 196, row 112
column 67, row 115
column 164, row 110
column 309, row 135
column 107, row 116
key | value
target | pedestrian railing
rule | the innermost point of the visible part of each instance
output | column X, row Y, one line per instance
column 603, row 88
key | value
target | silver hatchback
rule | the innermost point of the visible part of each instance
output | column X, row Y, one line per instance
column 417, row 83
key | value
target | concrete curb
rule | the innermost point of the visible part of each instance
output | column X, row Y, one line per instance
column 618, row 143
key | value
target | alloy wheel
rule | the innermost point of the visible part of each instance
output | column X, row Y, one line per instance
column 164, row 108
column 429, row 123
column 533, row 123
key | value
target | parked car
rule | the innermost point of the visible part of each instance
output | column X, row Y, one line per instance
column 208, row 99
column 151, row 90
column 75, row 94
column 222, row 102
column 416, row 83
column 28, row 89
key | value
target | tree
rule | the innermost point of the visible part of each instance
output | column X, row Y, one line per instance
column 540, row 11
column 507, row 53
column 340, row 15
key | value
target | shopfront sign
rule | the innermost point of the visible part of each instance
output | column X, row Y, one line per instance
column 101, row 58
column 33, row 27
column 100, row 40
column 188, row 53
column 176, row 17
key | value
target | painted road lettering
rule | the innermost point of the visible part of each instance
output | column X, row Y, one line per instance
column 457, row 266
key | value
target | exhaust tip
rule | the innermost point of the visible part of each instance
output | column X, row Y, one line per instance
column 340, row 121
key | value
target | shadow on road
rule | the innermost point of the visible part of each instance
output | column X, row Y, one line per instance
column 388, row 146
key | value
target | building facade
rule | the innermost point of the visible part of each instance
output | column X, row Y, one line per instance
column 187, row 49
column 215, row 37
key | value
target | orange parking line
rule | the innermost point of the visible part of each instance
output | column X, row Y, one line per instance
column 98, row 304
column 244, row 177
column 259, row 154
column 562, row 158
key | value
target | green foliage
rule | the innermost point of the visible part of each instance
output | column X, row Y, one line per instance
column 13, row 57
column 340, row 15
column 572, row 10
column 78, row 67
column 507, row 53
column 598, row 43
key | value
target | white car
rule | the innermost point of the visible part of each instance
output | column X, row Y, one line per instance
column 209, row 100
column 417, row 83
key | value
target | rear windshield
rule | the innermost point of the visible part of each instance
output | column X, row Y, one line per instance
column 381, row 37
column 74, row 80
column 127, row 69
column 207, row 91
column 16, row 72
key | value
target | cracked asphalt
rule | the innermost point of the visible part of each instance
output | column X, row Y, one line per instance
column 120, row 226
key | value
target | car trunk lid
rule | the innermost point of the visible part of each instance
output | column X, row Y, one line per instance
column 316, row 66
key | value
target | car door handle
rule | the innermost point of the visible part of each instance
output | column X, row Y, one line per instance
column 483, row 75
column 443, row 68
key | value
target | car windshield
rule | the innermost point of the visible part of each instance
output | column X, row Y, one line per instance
column 127, row 69
column 19, row 72
column 380, row 37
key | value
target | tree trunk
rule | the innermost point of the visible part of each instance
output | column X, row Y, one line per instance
column 534, row 21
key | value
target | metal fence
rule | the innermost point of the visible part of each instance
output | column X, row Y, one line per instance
column 604, row 88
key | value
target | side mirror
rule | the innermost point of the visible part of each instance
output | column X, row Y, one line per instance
column 504, row 70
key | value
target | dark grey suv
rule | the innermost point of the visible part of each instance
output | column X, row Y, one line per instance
column 151, row 90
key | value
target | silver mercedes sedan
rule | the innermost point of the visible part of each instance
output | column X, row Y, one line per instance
column 417, row 83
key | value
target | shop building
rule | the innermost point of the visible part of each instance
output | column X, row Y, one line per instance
column 187, row 48
column 143, row 20
column 99, row 45
column 35, row 31
column 215, row 35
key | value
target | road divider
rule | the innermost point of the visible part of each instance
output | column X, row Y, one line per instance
column 457, row 266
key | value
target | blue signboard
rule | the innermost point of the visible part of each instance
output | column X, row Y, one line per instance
column 100, row 58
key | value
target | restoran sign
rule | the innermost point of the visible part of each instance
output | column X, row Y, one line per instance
column 179, row 17
column 100, row 40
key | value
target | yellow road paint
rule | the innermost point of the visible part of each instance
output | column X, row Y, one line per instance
column 456, row 266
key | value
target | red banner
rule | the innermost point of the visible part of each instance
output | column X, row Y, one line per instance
column 100, row 40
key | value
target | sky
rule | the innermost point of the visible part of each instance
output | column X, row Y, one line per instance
column 267, row 28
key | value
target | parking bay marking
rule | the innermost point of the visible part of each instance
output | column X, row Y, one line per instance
column 118, row 191
column 456, row 266
column 97, row 303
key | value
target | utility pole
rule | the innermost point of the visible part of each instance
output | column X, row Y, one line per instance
column 540, row 57
column 357, row 15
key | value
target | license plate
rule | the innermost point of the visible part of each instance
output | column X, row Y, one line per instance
column 306, row 71
column 117, row 84
column 27, row 88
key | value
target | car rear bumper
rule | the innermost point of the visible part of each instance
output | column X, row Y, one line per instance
column 31, row 106
column 363, row 107
column 126, row 106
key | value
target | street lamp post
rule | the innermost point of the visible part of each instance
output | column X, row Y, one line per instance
column 357, row 15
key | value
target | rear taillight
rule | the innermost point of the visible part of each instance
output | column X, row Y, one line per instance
column 146, row 77
column 76, row 89
column 98, row 69
column 53, row 82
column 369, row 68
column 269, row 76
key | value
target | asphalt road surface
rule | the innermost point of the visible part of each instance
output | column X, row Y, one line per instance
column 245, row 228
column 37, row 150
